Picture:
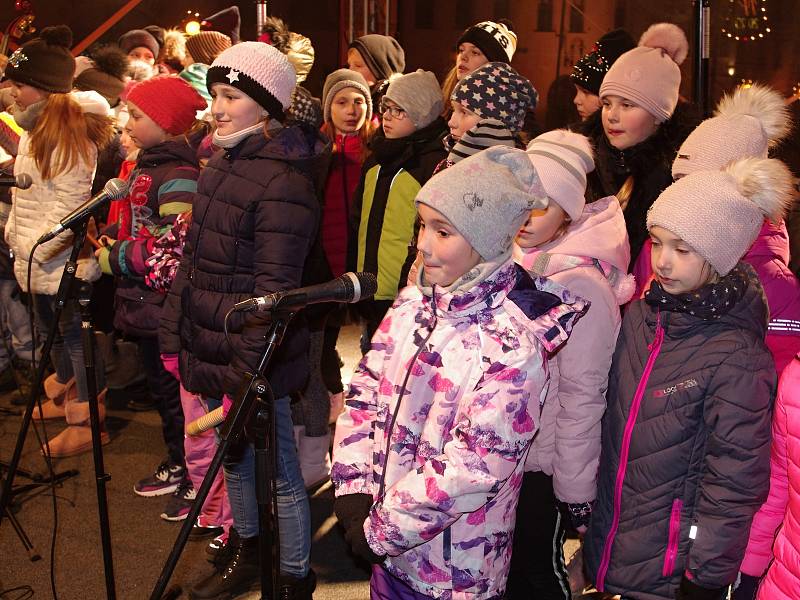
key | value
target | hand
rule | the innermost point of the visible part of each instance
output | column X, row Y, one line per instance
column 352, row 509
column 227, row 402
column 170, row 362
column 747, row 588
column 412, row 272
column 358, row 543
column 689, row 590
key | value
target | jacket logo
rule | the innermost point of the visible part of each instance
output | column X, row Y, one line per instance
column 678, row 387
column 472, row 201
column 139, row 189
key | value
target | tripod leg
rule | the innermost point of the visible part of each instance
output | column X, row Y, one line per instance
column 33, row 553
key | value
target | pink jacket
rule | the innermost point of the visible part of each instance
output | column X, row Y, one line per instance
column 568, row 443
column 781, row 512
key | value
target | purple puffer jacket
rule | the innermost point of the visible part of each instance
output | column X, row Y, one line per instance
column 456, row 383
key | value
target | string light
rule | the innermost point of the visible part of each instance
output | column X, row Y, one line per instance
column 750, row 25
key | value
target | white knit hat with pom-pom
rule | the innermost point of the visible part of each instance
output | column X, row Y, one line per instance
column 649, row 75
column 746, row 124
column 719, row 213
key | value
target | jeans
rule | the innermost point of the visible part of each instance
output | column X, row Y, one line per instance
column 15, row 325
column 294, row 514
column 165, row 390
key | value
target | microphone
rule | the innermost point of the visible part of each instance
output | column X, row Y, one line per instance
column 350, row 287
column 206, row 422
column 113, row 190
column 22, row 181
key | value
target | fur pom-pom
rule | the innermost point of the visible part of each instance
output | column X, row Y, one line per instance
column 767, row 182
column 761, row 102
column 174, row 47
column 669, row 37
column 278, row 32
column 111, row 60
column 59, row 35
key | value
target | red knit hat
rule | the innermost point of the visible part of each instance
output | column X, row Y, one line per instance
column 169, row 101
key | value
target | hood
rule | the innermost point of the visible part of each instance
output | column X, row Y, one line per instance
column 772, row 243
column 178, row 149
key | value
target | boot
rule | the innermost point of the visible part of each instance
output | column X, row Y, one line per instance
column 293, row 588
column 56, row 390
column 77, row 437
column 315, row 463
column 236, row 570
column 58, row 395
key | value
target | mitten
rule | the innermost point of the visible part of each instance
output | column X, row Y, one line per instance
column 352, row 509
column 689, row 590
column 746, row 589
column 358, row 542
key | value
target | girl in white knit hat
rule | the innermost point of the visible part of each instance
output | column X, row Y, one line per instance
column 684, row 463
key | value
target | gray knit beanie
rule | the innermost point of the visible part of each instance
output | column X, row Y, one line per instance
column 487, row 197
column 339, row 80
column 419, row 94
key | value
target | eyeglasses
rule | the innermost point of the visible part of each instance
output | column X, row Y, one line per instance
column 395, row 111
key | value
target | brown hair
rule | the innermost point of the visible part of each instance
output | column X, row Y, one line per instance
column 365, row 134
column 65, row 136
column 450, row 81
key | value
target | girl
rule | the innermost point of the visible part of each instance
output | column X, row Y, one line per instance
column 685, row 447
column 254, row 220
column 58, row 149
column 640, row 126
column 585, row 249
column 376, row 58
column 429, row 452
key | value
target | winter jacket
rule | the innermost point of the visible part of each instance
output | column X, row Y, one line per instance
column 340, row 186
column 162, row 186
column 781, row 512
column 254, row 219
column 384, row 216
column 684, row 464
column 649, row 163
column 456, row 383
column 568, row 443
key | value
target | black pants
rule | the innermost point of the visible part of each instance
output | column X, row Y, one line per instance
column 537, row 570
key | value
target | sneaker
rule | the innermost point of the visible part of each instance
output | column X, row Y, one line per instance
column 165, row 480
column 203, row 529
column 180, row 503
column 217, row 545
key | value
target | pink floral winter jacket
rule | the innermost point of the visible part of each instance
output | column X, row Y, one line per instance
column 456, row 385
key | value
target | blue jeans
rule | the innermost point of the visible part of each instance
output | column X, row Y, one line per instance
column 15, row 325
column 294, row 514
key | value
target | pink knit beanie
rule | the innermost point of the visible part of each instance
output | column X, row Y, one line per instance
column 260, row 71
column 169, row 101
column 649, row 75
column 562, row 159
column 745, row 124
column 719, row 213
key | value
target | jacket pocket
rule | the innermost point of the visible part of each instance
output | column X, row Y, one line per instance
column 674, row 537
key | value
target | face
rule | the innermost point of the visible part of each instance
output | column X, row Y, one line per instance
column 24, row 95
column 143, row 131
column 233, row 110
column 127, row 143
column 626, row 124
column 676, row 265
column 586, row 102
column 469, row 58
column 541, row 226
column 355, row 62
column 396, row 127
column 445, row 253
column 461, row 121
column 142, row 53
column 348, row 111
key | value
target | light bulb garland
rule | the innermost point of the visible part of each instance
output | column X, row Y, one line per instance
column 747, row 20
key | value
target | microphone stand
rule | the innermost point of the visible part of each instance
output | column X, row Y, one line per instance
column 253, row 399
column 63, row 294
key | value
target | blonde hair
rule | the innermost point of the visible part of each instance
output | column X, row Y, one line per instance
column 625, row 192
column 450, row 81
column 365, row 135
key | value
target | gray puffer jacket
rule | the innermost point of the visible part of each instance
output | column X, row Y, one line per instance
column 685, row 448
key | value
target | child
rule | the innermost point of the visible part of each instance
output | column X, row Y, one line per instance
column 376, row 58
column 685, row 447
column 63, row 133
column 140, row 44
column 585, row 249
column 429, row 453
column 404, row 156
column 254, row 220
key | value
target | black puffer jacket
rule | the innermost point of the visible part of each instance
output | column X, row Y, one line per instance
column 255, row 217
column 649, row 162
column 685, row 459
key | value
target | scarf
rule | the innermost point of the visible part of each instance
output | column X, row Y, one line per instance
column 28, row 118
column 233, row 139
column 708, row 302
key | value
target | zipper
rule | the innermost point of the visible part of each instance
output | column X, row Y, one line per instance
column 674, row 537
column 655, row 349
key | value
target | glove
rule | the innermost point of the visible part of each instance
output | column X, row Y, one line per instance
column 171, row 365
column 355, row 537
column 747, row 588
column 352, row 509
column 227, row 402
column 579, row 515
column 689, row 590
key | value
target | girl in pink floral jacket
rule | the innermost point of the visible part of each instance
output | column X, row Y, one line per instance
column 430, row 451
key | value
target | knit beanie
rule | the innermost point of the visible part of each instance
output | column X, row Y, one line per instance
column 745, row 124
column 195, row 76
column 105, row 74
column 590, row 69
column 485, row 134
column 382, row 54
column 496, row 91
column 649, row 74
column 419, row 94
column 139, row 38
column 227, row 21
column 169, row 101
column 487, row 197
column 339, row 80
column 562, row 159
column 719, row 213
column 497, row 41
column 260, row 71
column 44, row 62
column 207, row 45
column 305, row 108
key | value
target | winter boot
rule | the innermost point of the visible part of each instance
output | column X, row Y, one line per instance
column 294, row 588
column 315, row 463
column 236, row 571
column 57, row 394
column 77, row 437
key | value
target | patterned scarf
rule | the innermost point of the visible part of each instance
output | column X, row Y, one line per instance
column 708, row 302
